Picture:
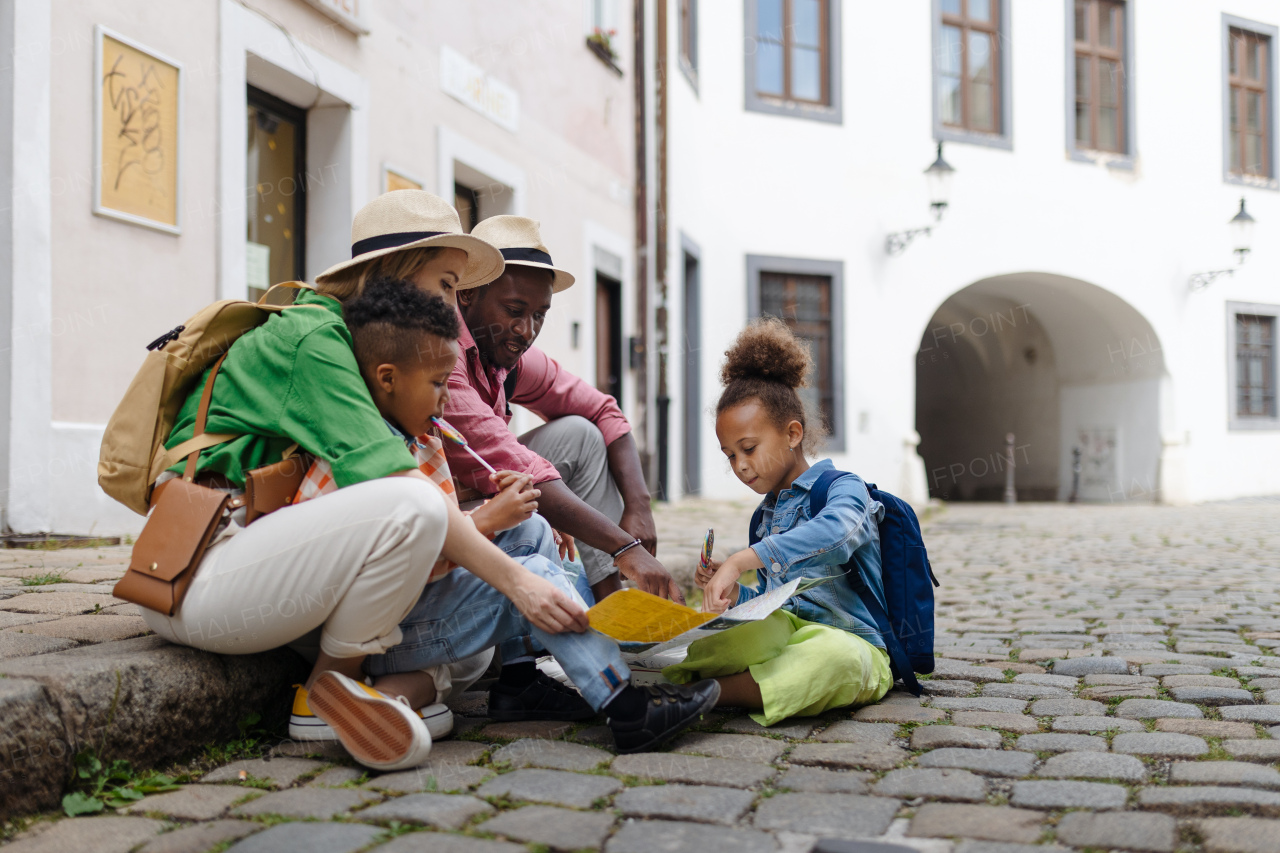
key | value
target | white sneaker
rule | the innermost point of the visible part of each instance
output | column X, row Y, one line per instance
column 304, row 725
column 379, row 732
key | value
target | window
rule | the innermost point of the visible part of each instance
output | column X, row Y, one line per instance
column 1248, row 103
column 1252, row 365
column 276, row 204
column 1255, row 366
column 793, row 58
column 968, row 83
column 1099, row 75
column 806, row 296
column 689, row 39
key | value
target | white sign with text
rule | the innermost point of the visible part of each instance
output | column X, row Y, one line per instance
column 466, row 81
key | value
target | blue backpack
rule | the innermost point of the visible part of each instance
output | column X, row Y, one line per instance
column 908, row 581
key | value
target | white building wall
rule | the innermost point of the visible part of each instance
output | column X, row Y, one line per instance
column 746, row 183
column 374, row 99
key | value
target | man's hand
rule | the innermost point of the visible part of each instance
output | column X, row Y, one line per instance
column 639, row 566
column 637, row 519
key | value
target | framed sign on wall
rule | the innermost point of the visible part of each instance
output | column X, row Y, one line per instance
column 395, row 178
column 137, row 119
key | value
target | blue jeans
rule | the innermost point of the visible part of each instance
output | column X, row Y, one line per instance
column 534, row 538
column 461, row 615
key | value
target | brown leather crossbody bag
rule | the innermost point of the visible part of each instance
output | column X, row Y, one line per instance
column 185, row 516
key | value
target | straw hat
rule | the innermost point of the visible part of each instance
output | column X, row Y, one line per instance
column 414, row 219
column 520, row 242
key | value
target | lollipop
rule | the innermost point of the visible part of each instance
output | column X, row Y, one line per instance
column 460, row 440
column 704, row 560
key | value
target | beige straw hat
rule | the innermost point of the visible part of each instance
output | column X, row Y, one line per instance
column 520, row 241
column 413, row 219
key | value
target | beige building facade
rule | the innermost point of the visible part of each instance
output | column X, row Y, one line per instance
column 158, row 157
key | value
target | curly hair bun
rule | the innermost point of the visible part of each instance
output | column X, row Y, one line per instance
column 767, row 350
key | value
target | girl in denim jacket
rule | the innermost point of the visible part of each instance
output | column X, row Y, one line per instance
column 822, row 650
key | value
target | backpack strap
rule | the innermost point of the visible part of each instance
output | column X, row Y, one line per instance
column 200, row 440
column 509, row 385
column 897, row 654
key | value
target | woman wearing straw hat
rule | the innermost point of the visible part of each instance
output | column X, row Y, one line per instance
column 349, row 567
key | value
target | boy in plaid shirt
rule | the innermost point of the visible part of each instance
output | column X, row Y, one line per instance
column 405, row 342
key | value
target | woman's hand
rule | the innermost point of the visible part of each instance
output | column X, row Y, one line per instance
column 546, row 606
column 703, row 574
column 516, row 501
column 721, row 592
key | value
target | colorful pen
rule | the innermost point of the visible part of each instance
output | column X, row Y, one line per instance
column 457, row 438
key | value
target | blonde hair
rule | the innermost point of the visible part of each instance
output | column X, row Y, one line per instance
column 348, row 283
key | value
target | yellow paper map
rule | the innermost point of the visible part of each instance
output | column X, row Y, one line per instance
column 632, row 616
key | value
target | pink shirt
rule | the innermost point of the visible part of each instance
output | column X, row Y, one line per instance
column 478, row 409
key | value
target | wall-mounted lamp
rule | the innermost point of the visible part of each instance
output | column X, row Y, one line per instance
column 938, row 176
column 1241, row 226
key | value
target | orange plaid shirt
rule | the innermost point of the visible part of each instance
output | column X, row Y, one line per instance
column 428, row 451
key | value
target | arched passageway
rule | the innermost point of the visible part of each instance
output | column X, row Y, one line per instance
column 1060, row 363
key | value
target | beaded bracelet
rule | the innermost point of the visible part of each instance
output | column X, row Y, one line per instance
column 624, row 549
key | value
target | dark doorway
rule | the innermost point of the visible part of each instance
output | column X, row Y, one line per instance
column 609, row 336
column 692, row 374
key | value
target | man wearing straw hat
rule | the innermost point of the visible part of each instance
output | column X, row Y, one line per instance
column 584, row 459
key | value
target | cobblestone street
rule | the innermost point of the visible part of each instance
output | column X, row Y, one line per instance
column 1106, row 680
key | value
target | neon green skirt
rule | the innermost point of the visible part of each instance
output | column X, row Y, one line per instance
column 803, row 668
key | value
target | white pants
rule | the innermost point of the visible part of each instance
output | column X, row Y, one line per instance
column 352, row 563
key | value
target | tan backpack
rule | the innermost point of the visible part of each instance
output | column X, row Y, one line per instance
column 133, row 453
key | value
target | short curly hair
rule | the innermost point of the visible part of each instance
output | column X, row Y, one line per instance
column 768, row 363
column 389, row 320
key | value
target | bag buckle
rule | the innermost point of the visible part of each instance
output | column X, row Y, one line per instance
column 171, row 335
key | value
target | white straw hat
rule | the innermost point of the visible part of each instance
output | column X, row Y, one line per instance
column 520, row 241
column 414, row 219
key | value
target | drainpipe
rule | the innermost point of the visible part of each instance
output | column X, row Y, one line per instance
column 660, row 249
column 638, row 353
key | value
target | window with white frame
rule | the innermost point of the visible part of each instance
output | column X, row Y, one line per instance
column 1252, row 365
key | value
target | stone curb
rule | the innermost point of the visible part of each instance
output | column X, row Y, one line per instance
column 168, row 700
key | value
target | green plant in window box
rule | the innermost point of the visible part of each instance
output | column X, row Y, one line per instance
column 602, row 41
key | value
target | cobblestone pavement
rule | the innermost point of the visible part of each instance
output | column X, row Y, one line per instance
column 1105, row 680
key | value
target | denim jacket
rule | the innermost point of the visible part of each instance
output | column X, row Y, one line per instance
column 793, row 545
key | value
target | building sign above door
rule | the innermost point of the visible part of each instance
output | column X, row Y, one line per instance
column 351, row 14
column 466, row 81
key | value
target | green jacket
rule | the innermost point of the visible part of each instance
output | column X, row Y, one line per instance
column 294, row 379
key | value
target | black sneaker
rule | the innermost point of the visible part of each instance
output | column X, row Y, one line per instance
column 543, row 699
column 671, row 709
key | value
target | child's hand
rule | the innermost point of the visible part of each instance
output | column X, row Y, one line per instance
column 721, row 592
column 703, row 574
column 515, row 502
column 566, row 545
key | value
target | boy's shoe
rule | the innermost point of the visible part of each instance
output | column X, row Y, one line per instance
column 544, row 698
column 379, row 732
column 304, row 725
column 671, row 709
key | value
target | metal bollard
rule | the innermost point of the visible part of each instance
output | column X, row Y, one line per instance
column 1010, row 493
